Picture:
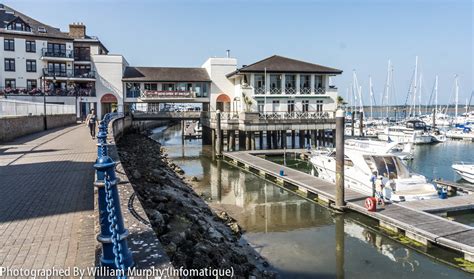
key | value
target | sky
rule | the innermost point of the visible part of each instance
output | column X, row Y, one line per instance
column 358, row 36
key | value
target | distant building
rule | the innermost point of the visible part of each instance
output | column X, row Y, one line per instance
column 68, row 67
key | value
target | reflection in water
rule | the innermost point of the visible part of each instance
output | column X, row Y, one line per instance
column 298, row 237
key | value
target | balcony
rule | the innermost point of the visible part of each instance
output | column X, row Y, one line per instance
column 20, row 91
column 71, row 92
column 50, row 54
column 163, row 94
column 70, row 74
column 291, row 91
column 82, row 58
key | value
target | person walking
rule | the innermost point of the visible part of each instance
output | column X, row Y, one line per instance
column 91, row 121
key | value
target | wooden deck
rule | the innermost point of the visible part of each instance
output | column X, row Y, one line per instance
column 408, row 218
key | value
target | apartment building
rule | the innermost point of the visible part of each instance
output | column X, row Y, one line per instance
column 42, row 63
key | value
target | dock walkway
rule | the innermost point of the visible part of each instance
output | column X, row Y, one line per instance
column 46, row 201
column 408, row 218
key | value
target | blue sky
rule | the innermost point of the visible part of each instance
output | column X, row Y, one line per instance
column 348, row 35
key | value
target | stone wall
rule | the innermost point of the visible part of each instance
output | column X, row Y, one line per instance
column 14, row 127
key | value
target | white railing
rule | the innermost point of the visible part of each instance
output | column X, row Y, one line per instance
column 296, row 115
column 22, row 108
column 226, row 115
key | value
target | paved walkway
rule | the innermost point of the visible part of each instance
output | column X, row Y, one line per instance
column 47, row 200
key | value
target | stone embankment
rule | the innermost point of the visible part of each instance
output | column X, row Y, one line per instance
column 193, row 235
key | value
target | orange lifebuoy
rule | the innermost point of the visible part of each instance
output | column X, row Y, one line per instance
column 371, row 204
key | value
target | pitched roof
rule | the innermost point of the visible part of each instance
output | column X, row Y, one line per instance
column 8, row 14
column 165, row 74
column 280, row 64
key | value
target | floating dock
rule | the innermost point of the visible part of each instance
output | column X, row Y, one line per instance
column 408, row 218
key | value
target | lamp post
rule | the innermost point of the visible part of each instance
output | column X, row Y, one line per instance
column 45, row 122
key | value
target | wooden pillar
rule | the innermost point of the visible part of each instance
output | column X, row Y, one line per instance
column 182, row 132
column 260, row 139
column 219, row 139
column 308, row 137
column 275, row 139
column 334, row 133
column 252, row 140
column 301, row 138
column 241, row 140
column 248, row 145
column 213, row 138
column 293, row 139
column 313, row 138
column 269, row 139
column 283, row 139
column 352, row 122
column 231, row 143
column 361, row 124
column 340, row 159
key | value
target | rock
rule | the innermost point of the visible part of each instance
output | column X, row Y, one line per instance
column 179, row 170
column 136, row 174
column 194, row 179
column 214, row 235
column 156, row 217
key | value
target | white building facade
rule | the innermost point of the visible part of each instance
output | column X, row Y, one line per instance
column 40, row 62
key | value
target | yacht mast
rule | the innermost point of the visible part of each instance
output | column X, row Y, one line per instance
column 436, row 94
column 371, row 98
column 415, row 85
column 456, row 96
column 387, row 86
column 419, row 94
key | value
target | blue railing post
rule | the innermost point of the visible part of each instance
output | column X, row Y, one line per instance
column 113, row 234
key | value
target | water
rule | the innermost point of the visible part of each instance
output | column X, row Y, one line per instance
column 299, row 237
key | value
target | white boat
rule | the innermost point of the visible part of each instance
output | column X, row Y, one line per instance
column 461, row 133
column 465, row 170
column 437, row 135
column 403, row 151
column 414, row 131
column 359, row 166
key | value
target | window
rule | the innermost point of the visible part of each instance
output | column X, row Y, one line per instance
column 318, row 82
column 82, row 53
column 9, row 44
column 10, row 83
column 181, row 87
column 305, row 104
column 168, row 86
column 291, row 105
column 151, row 86
column 305, row 84
column 19, row 25
column 276, row 105
column 9, row 64
column 57, row 49
column 260, row 106
column 31, row 66
column 57, row 69
column 31, row 84
column 259, row 81
column 319, row 105
column 275, row 84
column 290, row 84
column 30, row 46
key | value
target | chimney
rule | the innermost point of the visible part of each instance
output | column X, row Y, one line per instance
column 77, row 30
column 228, row 53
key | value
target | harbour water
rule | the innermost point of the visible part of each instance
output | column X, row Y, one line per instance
column 302, row 239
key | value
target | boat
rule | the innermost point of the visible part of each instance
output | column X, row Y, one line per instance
column 461, row 132
column 465, row 170
column 359, row 166
column 414, row 131
column 403, row 151
column 437, row 136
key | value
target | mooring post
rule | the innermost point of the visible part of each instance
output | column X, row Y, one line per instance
column 339, row 159
column 218, row 134
column 361, row 124
column 182, row 132
column 339, row 246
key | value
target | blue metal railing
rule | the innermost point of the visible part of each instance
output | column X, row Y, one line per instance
column 113, row 234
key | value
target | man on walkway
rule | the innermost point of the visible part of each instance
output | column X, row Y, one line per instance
column 91, row 121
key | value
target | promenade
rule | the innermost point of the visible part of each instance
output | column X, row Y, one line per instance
column 47, row 200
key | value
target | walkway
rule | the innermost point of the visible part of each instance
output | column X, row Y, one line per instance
column 47, row 200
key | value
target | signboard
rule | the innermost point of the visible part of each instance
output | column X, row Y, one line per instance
column 167, row 94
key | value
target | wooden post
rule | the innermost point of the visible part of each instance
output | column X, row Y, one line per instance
column 269, row 139
column 313, row 138
column 352, row 122
column 241, row 140
column 361, row 124
column 293, row 139
column 274, row 139
column 301, row 138
column 182, row 132
column 218, row 134
column 339, row 218
column 248, row 145
column 252, row 140
column 231, row 140
column 260, row 139
column 283, row 139
column 339, row 159
column 213, row 138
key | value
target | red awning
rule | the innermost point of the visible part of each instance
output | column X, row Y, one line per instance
column 108, row 98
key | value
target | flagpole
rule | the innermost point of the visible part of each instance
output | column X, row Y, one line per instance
column 265, row 93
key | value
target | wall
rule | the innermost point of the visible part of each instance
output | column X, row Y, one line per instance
column 14, row 127
column 218, row 68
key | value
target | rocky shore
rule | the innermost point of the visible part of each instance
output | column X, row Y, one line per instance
column 193, row 235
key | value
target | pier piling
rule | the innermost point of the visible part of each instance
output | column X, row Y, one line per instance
column 361, row 123
column 218, row 135
column 340, row 159
column 352, row 122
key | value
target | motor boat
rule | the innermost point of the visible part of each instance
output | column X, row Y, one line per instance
column 461, row 132
column 414, row 131
column 437, row 136
column 465, row 170
column 403, row 151
column 360, row 164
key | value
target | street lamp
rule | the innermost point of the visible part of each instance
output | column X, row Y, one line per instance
column 45, row 123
